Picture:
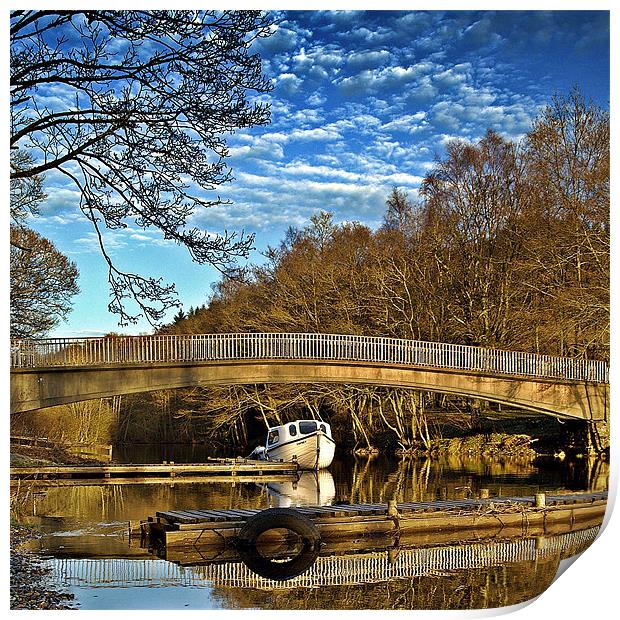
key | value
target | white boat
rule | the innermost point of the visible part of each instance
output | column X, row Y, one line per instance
column 309, row 442
column 313, row 488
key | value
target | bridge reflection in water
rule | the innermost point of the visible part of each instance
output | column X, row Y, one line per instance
column 335, row 570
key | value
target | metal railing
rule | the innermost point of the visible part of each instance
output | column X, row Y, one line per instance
column 54, row 352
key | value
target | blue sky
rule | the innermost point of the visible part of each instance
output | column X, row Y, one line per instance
column 363, row 102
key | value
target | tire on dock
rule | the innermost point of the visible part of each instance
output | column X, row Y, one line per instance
column 278, row 518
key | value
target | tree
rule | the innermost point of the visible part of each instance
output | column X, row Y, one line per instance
column 26, row 192
column 43, row 281
column 399, row 214
column 568, row 173
column 473, row 199
column 141, row 103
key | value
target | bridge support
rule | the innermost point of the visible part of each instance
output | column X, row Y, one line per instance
column 596, row 437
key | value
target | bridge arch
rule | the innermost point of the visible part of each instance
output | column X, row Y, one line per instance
column 59, row 371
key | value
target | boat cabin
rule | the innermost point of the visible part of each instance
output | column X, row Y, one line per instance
column 296, row 430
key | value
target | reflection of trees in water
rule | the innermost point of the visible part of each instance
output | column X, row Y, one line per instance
column 358, row 480
column 597, row 472
column 82, row 502
column 471, row 575
column 373, row 480
column 136, row 501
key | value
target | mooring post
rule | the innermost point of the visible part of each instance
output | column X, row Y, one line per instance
column 393, row 555
column 392, row 509
column 541, row 500
column 392, row 513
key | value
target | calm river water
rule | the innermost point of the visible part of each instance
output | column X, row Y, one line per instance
column 89, row 552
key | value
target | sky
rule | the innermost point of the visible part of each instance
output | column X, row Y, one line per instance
column 362, row 102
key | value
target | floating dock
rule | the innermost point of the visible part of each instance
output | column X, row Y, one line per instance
column 214, row 470
column 341, row 523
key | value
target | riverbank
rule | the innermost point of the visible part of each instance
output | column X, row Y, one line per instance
column 31, row 586
column 485, row 445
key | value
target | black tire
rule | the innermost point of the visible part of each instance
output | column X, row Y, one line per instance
column 278, row 518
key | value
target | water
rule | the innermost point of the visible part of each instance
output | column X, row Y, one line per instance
column 89, row 552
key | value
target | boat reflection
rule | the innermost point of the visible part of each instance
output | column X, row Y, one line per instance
column 314, row 488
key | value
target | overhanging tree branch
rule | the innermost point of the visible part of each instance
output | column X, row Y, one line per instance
column 143, row 101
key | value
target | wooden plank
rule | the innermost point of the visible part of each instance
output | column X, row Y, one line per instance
column 241, row 513
column 61, row 482
column 348, row 514
column 178, row 515
column 197, row 515
column 221, row 515
column 149, row 468
column 332, row 511
column 209, row 525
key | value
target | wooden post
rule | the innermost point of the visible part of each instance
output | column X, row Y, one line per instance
column 393, row 555
column 392, row 510
column 540, row 500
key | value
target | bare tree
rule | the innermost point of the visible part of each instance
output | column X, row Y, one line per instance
column 26, row 192
column 473, row 199
column 43, row 281
column 141, row 104
column 399, row 214
column 568, row 168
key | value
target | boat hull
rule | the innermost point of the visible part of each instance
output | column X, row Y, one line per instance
column 312, row 488
column 314, row 451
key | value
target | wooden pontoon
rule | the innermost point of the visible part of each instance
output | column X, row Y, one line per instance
column 238, row 470
column 213, row 528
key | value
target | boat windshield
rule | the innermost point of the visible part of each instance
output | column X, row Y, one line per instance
column 307, row 427
column 273, row 437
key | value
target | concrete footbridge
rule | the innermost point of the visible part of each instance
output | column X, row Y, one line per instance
column 58, row 371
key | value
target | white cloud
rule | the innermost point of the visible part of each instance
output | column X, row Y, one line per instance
column 409, row 123
column 282, row 39
column 316, row 99
column 301, row 169
column 445, row 138
column 402, row 178
column 318, row 133
column 454, row 76
column 387, row 78
column 320, row 62
column 89, row 243
column 259, row 150
column 288, row 82
column 368, row 60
